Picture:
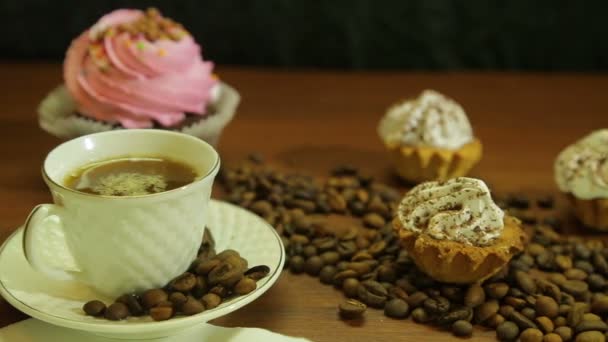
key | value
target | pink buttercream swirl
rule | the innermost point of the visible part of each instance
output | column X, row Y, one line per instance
column 121, row 77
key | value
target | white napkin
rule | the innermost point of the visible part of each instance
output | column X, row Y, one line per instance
column 33, row 330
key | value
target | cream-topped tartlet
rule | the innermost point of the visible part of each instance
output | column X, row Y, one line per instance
column 581, row 171
column 430, row 138
column 455, row 232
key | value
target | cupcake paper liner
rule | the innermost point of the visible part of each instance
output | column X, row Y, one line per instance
column 57, row 115
column 592, row 213
column 420, row 163
column 454, row 262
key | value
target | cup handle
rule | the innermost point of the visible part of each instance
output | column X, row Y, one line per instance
column 44, row 244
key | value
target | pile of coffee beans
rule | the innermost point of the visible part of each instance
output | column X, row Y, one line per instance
column 556, row 290
column 212, row 279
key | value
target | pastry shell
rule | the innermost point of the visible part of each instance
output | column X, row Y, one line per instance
column 423, row 163
column 455, row 262
column 593, row 213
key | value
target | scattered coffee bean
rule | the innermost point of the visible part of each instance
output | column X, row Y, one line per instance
column 296, row 264
column 350, row 286
column 372, row 293
column 546, row 306
column 178, row 299
column 565, row 333
column 496, row 290
column 522, row 321
column 545, row 324
column 462, row 328
column 507, row 331
column 116, row 312
column 161, row 313
column 486, row 310
column 257, row 272
column 244, row 286
column 529, row 313
column 192, row 306
column 351, row 309
column 600, row 305
column 419, row 315
column 313, row 265
column 585, row 325
column 211, row 300
column 552, row 337
column 396, row 308
column 518, row 202
column 94, row 308
column 474, row 296
column 416, row 299
column 184, row 282
column 591, row 336
column 437, row 305
column 576, row 314
column 464, row 314
column 531, row 335
column 545, row 202
column 151, row 298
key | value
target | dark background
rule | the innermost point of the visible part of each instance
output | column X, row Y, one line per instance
column 344, row 34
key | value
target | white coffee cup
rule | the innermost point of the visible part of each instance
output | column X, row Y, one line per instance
column 121, row 244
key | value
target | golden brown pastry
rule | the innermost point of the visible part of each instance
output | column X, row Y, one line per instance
column 455, row 233
column 430, row 138
column 581, row 171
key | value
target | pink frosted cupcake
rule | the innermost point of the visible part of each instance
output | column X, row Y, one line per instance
column 136, row 69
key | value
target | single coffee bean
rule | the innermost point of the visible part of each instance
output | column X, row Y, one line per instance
column 436, row 306
column 506, row 310
column 546, row 306
column 331, row 257
column 486, row 310
column 565, row 333
column 296, row 264
column 496, row 290
column 372, row 293
column 590, row 325
column 327, row 273
column 116, row 312
column 245, row 286
column 151, row 298
column 552, row 337
column 184, row 282
column 261, row 208
column 600, row 263
column 535, row 249
column 462, row 328
column 350, row 287
column 559, row 321
column 192, row 306
column 591, row 317
column 522, row 321
column 416, row 299
column 258, row 272
column 220, row 290
column 351, row 309
column 419, row 315
column 474, row 296
column 563, row 262
column 161, row 313
column 386, row 273
column 132, row 303
column 211, row 300
column 531, row 335
column 575, row 287
column 517, row 303
column 575, row 274
column 397, row 292
column 165, row 303
column 374, row 220
column 309, row 251
column 94, row 308
column 525, row 282
column 396, row 308
column 545, row 324
column 377, row 248
column 313, row 265
column 591, row 336
column 507, row 331
column 178, row 299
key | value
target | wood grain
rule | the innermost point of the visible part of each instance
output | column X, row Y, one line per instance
column 313, row 120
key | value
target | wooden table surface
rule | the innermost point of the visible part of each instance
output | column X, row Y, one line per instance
column 313, row 120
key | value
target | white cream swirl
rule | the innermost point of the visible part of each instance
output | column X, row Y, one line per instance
column 429, row 120
column 460, row 209
column 582, row 168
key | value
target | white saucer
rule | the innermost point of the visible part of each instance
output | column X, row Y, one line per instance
column 60, row 302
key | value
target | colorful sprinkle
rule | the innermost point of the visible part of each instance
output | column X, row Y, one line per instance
column 140, row 45
column 162, row 52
